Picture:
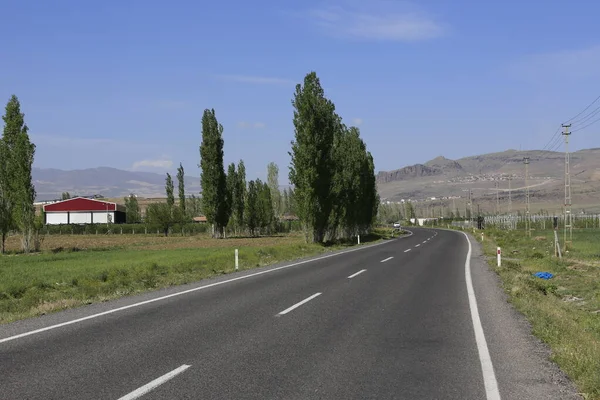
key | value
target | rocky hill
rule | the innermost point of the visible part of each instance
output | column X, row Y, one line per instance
column 500, row 172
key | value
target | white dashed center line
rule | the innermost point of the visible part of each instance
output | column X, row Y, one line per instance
column 387, row 259
column 406, row 251
column 287, row 310
column 136, row 394
column 356, row 274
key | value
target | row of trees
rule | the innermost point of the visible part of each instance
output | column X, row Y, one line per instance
column 17, row 193
column 332, row 172
column 227, row 200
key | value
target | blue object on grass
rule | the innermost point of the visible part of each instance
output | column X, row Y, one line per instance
column 543, row 275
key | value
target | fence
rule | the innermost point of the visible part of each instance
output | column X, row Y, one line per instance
column 541, row 222
column 188, row 229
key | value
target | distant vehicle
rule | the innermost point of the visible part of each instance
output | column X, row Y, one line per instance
column 397, row 225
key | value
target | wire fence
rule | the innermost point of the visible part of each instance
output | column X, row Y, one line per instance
column 538, row 222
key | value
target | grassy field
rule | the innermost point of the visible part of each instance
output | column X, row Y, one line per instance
column 82, row 269
column 564, row 311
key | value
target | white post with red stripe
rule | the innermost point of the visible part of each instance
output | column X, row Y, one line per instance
column 499, row 253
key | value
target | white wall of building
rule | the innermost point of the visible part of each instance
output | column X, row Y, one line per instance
column 80, row 218
column 100, row 217
column 56, row 218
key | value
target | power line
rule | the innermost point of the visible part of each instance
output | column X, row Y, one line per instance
column 587, row 117
column 585, row 126
column 552, row 139
column 584, row 110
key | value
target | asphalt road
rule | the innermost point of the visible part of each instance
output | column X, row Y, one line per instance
column 392, row 321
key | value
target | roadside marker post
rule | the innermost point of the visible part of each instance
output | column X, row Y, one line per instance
column 499, row 255
column 358, row 239
column 237, row 264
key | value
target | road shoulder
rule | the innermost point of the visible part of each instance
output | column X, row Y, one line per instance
column 521, row 361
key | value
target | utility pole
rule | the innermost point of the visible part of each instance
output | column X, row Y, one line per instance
column 471, row 206
column 568, row 213
column 509, row 195
column 527, row 215
column 497, row 199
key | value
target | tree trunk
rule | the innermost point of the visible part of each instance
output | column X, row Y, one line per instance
column 3, row 242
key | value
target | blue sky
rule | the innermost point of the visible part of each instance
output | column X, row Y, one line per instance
column 124, row 83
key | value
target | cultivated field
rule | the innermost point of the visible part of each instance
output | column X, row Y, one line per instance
column 564, row 311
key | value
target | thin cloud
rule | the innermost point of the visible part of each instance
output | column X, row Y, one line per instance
column 357, row 121
column 161, row 163
column 576, row 64
column 377, row 24
column 249, row 125
column 257, row 80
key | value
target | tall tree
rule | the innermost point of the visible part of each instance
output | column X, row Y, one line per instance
column 132, row 209
column 6, row 209
column 264, row 206
column 181, row 188
column 273, row 182
column 251, row 208
column 65, row 196
column 285, row 202
column 311, row 169
column 169, row 188
column 19, row 152
column 232, row 197
column 212, row 175
column 240, row 193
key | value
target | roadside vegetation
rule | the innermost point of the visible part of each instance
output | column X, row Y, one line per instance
column 564, row 311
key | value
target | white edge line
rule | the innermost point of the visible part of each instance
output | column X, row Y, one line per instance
column 154, row 384
column 356, row 274
column 406, row 251
column 287, row 310
column 487, row 368
column 387, row 259
column 141, row 303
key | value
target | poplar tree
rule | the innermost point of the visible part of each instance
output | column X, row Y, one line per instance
column 212, row 175
column 251, row 211
column 169, row 189
column 18, row 190
column 311, row 169
column 181, row 188
column 6, row 217
column 132, row 209
column 240, row 193
column 232, row 197
column 273, row 182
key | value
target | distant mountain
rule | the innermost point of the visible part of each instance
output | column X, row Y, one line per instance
column 443, row 177
column 109, row 182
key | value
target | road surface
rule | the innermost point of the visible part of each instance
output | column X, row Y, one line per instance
column 391, row 321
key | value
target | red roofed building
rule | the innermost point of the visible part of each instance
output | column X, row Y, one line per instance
column 80, row 210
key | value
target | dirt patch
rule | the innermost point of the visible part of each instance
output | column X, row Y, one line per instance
column 540, row 238
column 50, row 306
column 577, row 267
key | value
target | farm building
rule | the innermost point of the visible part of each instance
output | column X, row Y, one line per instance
column 80, row 210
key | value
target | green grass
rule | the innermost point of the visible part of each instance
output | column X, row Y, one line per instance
column 37, row 284
column 564, row 311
